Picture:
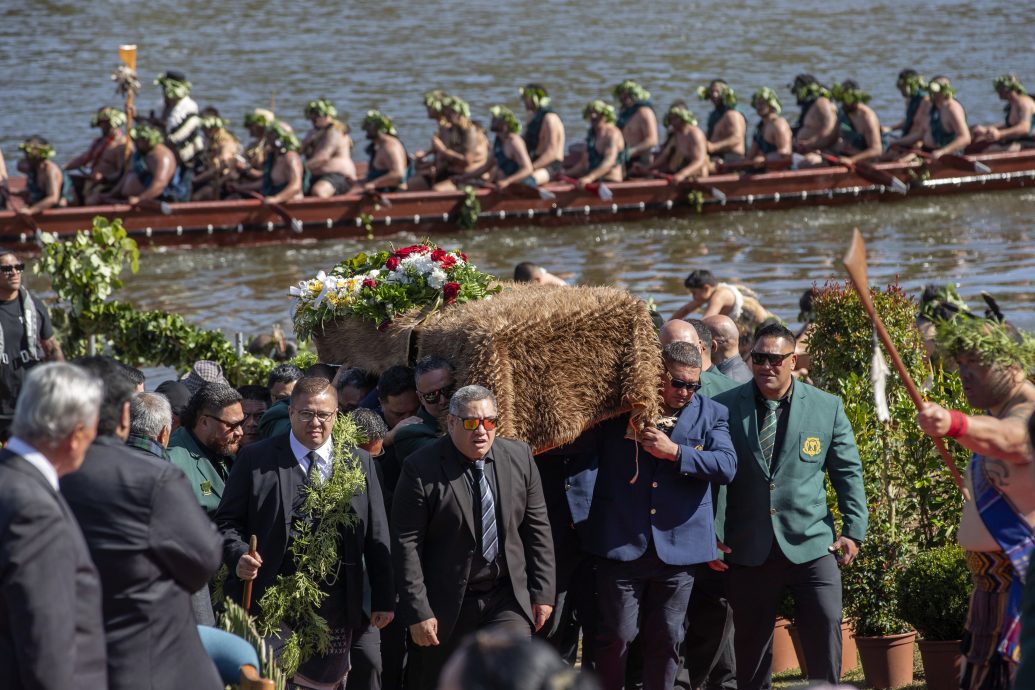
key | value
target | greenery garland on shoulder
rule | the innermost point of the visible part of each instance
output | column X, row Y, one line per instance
column 294, row 600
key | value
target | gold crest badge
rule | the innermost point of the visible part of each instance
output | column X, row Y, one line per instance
column 812, row 447
column 206, row 488
column 700, row 447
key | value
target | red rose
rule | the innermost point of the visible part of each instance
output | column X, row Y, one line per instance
column 463, row 256
column 370, row 283
column 392, row 263
column 448, row 261
column 414, row 249
column 438, row 255
column 450, row 292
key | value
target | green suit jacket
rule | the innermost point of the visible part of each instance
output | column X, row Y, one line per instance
column 204, row 479
column 713, row 383
column 789, row 502
column 412, row 438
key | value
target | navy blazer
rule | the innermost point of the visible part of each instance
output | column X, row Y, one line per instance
column 671, row 502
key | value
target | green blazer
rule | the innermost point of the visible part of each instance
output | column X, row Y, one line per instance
column 713, row 383
column 789, row 503
column 204, row 479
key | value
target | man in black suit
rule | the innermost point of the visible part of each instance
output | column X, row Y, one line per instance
column 50, row 596
column 283, row 467
column 153, row 546
column 473, row 548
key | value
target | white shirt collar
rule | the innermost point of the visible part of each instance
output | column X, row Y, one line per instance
column 302, row 453
column 34, row 458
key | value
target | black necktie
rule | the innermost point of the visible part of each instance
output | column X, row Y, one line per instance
column 313, row 476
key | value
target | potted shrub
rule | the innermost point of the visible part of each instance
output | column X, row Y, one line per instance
column 870, row 587
column 933, row 598
column 784, row 651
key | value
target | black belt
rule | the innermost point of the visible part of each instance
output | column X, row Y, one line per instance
column 486, row 586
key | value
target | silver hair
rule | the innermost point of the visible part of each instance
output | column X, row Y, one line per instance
column 149, row 413
column 469, row 394
column 55, row 398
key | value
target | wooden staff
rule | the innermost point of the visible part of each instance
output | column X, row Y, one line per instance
column 855, row 262
column 128, row 55
column 253, row 546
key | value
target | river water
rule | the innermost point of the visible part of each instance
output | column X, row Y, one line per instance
column 56, row 57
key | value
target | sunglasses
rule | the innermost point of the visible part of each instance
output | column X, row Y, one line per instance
column 692, row 386
column 230, row 426
column 11, row 268
column 437, row 395
column 471, row 423
column 774, row 360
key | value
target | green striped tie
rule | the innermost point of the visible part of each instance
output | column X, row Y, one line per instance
column 767, row 434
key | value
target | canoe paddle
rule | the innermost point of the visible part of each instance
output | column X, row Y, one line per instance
column 956, row 162
column 868, row 172
column 162, row 207
column 598, row 188
column 294, row 223
column 855, row 262
column 714, row 191
column 377, row 197
column 523, row 189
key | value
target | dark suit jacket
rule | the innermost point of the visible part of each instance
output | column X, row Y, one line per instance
column 153, row 546
column 670, row 503
column 257, row 500
column 51, row 632
column 434, row 523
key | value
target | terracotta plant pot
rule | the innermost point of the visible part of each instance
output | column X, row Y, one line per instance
column 849, row 653
column 887, row 661
column 942, row 662
column 783, row 650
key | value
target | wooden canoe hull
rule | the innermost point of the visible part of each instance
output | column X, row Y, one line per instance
column 248, row 222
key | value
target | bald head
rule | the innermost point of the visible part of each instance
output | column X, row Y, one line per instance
column 678, row 331
column 725, row 336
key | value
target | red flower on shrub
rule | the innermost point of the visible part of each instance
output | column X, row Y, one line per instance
column 438, row 254
column 392, row 263
column 448, row 261
column 450, row 292
column 370, row 283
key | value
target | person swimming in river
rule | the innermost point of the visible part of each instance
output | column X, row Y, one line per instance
column 714, row 297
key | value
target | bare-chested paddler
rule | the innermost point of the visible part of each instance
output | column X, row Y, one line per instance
column 913, row 87
column 603, row 157
column 946, row 130
column 251, row 164
column 544, row 133
column 668, row 160
column 690, row 145
column 153, row 173
column 726, row 124
column 817, row 123
column 47, row 185
column 388, row 168
column 327, row 148
column 426, row 162
column 101, row 164
column 283, row 174
column 465, row 150
column 771, row 140
column 859, row 134
column 219, row 159
column 510, row 162
column 637, row 121
column 1018, row 127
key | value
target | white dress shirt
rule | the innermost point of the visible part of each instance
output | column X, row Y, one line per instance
column 302, row 456
column 35, row 458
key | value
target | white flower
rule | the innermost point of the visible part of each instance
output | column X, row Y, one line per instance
column 437, row 278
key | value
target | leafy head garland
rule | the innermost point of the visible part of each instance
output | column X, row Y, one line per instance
column 995, row 344
column 507, row 117
column 767, row 96
column 174, row 85
column 604, row 110
column 37, row 148
column 941, row 85
column 435, row 99
column 806, row 88
column 214, row 122
column 849, row 93
column 113, row 116
column 679, row 113
column 260, row 117
column 457, row 105
column 536, row 95
column 727, row 94
column 380, row 122
column 145, row 132
column 281, row 137
column 912, row 82
column 321, row 107
column 1009, row 82
column 631, row 89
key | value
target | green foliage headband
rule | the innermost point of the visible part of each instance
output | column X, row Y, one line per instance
column 34, row 148
column 143, row 132
column 769, row 97
column 850, row 96
column 435, row 100
column 1009, row 82
column 214, row 122
column 941, row 85
column 457, row 105
column 113, row 116
column 536, row 94
column 604, row 110
column 506, row 116
column 804, row 91
column 680, row 113
column 992, row 342
column 322, row 107
column 281, row 137
column 173, row 88
column 380, row 122
column 632, row 89
column 259, row 117
column 728, row 95
column 912, row 84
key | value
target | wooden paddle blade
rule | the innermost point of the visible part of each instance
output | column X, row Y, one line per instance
column 718, row 193
column 898, row 186
column 604, row 192
column 855, row 262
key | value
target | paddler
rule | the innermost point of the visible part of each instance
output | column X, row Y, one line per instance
column 327, row 148
column 668, row 160
column 690, row 145
column 153, row 173
column 388, row 168
column 544, row 133
column 465, row 150
column 603, row 156
column 1018, row 128
column 726, row 124
column 772, row 137
column 426, row 163
column 181, row 121
column 946, row 130
column 510, row 162
column 816, row 129
column 102, row 162
column 637, row 121
column 47, row 185
column 859, row 135
column 913, row 87
column 218, row 160
column 284, row 175
column 251, row 165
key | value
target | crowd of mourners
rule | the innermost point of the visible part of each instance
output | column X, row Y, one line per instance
column 183, row 153
column 655, row 558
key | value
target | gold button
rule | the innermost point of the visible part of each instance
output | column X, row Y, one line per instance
column 653, row 511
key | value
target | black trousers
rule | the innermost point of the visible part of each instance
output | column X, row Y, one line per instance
column 754, row 593
column 707, row 651
column 365, row 654
column 394, row 642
